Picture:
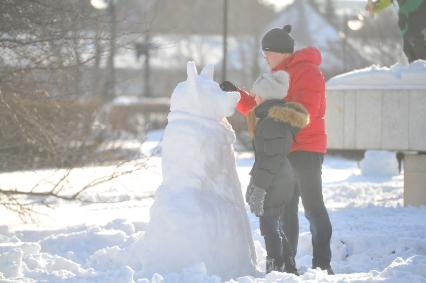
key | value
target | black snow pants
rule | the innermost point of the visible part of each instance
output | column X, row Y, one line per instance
column 307, row 168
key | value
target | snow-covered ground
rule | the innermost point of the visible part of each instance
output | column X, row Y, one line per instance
column 374, row 239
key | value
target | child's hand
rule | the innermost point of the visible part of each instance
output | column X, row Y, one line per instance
column 256, row 201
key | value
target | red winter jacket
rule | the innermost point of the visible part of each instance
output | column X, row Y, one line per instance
column 246, row 103
column 307, row 87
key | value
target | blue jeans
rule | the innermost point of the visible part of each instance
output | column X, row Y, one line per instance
column 307, row 170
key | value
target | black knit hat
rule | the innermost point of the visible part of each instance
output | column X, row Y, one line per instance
column 278, row 40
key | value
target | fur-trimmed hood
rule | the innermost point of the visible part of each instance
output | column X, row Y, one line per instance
column 293, row 113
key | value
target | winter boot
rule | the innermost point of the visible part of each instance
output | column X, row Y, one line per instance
column 269, row 264
column 273, row 265
column 290, row 266
column 329, row 270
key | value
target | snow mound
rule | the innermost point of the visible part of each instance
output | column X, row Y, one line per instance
column 398, row 76
column 401, row 269
column 375, row 238
column 379, row 163
column 198, row 217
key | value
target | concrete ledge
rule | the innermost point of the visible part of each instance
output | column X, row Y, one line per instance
column 414, row 179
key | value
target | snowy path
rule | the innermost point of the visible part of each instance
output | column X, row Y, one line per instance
column 374, row 237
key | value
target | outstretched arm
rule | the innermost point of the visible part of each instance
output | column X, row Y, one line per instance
column 246, row 103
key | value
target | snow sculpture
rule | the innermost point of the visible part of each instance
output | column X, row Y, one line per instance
column 198, row 216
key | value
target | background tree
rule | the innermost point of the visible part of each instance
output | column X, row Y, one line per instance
column 51, row 57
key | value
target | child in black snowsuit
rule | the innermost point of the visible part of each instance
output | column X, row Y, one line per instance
column 272, row 182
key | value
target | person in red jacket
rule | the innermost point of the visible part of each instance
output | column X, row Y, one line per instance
column 307, row 87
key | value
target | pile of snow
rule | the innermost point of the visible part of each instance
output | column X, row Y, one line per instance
column 379, row 163
column 398, row 76
column 375, row 238
column 198, row 217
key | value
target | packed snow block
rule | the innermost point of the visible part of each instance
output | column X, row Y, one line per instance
column 415, row 179
column 376, row 119
column 198, row 217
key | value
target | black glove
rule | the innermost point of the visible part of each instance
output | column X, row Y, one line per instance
column 256, row 201
column 228, row 86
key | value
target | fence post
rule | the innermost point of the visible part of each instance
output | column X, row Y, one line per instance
column 415, row 179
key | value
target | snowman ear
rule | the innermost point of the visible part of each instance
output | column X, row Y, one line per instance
column 208, row 71
column 191, row 71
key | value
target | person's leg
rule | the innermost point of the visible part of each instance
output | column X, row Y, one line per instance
column 269, row 228
column 399, row 158
column 408, row 50
column 307, row 167
column 288, row 252
column 290, row 222
column 418, row 43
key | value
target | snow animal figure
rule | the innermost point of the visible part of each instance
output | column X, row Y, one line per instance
column 198, row 217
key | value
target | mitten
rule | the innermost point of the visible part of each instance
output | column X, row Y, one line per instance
column 228, row 86
column 256, row 201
